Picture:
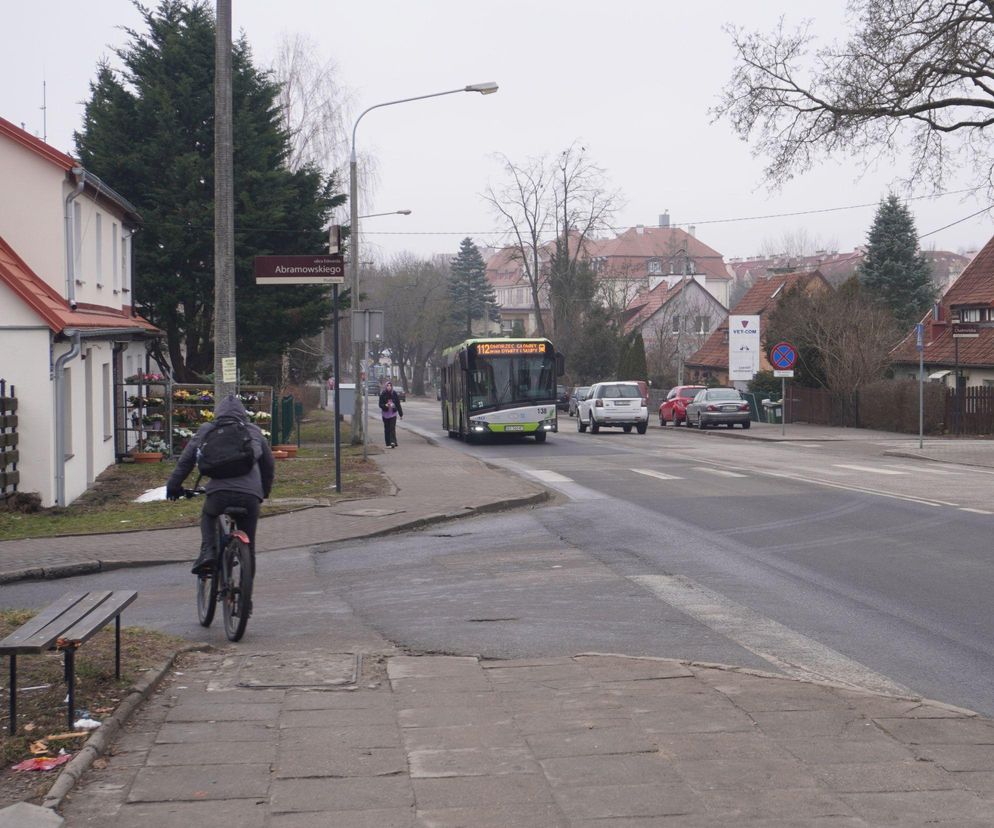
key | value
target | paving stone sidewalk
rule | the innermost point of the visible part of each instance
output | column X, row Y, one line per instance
column 592, row 740
column 428, row 485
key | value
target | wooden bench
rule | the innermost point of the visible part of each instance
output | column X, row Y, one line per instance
column 65, row 625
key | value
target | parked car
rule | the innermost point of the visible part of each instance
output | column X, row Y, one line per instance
column 562, row 398
column 614, row 404
column 373, row 388
column 716, row 406
column 674, row 407
column 578, row 393
column 401, row 393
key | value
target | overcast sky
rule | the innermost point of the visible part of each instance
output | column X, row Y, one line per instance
column 632, row 81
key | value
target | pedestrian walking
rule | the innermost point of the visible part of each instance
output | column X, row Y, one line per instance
column 391, row 408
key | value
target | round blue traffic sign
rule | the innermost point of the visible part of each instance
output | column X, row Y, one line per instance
column 783, row 356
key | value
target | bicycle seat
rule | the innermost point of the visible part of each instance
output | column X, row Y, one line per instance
column 236, row 511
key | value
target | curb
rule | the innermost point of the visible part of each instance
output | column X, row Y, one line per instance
column 913, row 456
column 103, row 736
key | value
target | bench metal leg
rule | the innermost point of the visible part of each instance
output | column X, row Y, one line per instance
column 117, row 646
column 70, row 661
column 12, row 689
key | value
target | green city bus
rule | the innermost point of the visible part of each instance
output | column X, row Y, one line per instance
column 500, row 387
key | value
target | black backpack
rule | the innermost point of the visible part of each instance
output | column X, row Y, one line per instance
column 226, row 450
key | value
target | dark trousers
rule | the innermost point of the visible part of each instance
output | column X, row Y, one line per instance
column 390, row 430
column 216, row 503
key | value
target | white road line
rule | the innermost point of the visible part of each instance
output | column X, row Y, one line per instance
column 659, row 475
column 549, row 476
column 719, row 472
column 975, row 511
column 868, row 469
column 794, row 653
column 861, row 489
column 810, row 445
column 923, row 470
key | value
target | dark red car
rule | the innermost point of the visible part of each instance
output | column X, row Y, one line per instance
column 674, row 407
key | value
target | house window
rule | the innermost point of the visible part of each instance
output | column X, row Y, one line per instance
column 655, row 266
column 99, row 249
column 115, row 260
column 969, row 315
column 125, row 264
column 108, row 390
column 702, row 324
column 672, row 268
column 67, row 412
column 676, row 323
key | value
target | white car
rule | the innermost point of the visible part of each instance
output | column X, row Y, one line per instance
column 614, row 404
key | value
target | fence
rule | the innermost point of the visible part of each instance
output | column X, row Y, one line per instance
column 973, row 414
column 886, row 405
column 9, row 453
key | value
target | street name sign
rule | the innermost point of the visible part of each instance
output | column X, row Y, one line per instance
column 299, row 270
column 962, row 331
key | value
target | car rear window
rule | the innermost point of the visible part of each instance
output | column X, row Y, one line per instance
column 690, row 392
column 724, row 394
column 621, row 391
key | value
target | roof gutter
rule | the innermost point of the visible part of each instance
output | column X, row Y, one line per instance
column 80, row 174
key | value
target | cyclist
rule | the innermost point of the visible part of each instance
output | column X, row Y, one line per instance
column 246, row 490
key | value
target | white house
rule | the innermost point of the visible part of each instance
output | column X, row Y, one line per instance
column 68, row 331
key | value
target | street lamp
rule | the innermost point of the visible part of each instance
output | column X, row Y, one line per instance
column 358, row 352
column 391, row 213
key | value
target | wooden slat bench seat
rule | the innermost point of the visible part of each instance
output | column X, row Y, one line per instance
column 65, row 625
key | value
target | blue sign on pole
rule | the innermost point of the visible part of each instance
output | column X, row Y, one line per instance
column 783, row 356
column 920, row 336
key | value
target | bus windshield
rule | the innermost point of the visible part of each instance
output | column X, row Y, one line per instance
column 498, row 381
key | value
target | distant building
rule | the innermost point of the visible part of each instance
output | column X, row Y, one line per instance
column 710, row 363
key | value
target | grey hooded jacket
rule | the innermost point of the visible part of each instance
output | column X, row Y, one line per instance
column 258, row 482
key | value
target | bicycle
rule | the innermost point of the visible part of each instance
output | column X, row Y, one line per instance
column 232, row 576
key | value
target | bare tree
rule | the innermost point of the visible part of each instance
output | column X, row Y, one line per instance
column 915, row 72
column 522, row 202
column 584, row 207
column 794, row 244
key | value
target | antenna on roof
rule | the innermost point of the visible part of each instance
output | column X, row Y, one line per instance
column 44, row 110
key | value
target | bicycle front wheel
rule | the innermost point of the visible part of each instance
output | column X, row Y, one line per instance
column 236, row 598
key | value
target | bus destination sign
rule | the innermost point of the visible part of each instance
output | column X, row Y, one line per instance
column 510, row 348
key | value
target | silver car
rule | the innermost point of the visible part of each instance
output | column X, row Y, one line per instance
column 613, row 404
column 717, row 406
column 577, row 395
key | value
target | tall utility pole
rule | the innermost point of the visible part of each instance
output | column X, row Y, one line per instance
column 224, row 210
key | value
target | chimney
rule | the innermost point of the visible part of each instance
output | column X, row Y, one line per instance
column 639, row 229
column 692, row 230
column 664, row 219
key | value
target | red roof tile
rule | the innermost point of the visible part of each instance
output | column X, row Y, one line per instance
column 38, row 295
column 975, row 285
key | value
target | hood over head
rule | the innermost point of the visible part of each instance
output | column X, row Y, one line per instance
column 388, row 386
column 231, row 406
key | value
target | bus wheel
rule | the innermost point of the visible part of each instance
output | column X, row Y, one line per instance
column 540, row 436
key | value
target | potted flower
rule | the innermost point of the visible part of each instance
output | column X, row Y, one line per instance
column 153, row 422
column 150, row 450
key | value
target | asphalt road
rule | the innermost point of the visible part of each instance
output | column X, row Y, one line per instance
column 820, row 560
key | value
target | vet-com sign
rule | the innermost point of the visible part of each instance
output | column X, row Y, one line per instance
column 743, row 347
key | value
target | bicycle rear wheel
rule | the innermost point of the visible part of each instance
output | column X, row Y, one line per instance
column 236, row 592
column 206, row 598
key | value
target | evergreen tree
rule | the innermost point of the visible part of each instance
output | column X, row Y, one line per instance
column 596, row 347
column 893, row 270
column 472, row 296
column 632, row 363
column 148, row 131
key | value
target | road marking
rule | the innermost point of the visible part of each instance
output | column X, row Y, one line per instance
column 975, row 511
column 923, row 470
column 792, row 652
column 659, row 475
column 860, row 489
column 868, row 469
column 549, row 476
column 810, row 445
column 719, row 472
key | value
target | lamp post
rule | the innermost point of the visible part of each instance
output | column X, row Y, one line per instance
column 390, row 213
column 359, row 351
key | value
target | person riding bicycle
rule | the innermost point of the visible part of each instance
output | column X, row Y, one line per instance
column 246, row 490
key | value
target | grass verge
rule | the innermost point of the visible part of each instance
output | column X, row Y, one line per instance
column 41, row 710
column 109, row 505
